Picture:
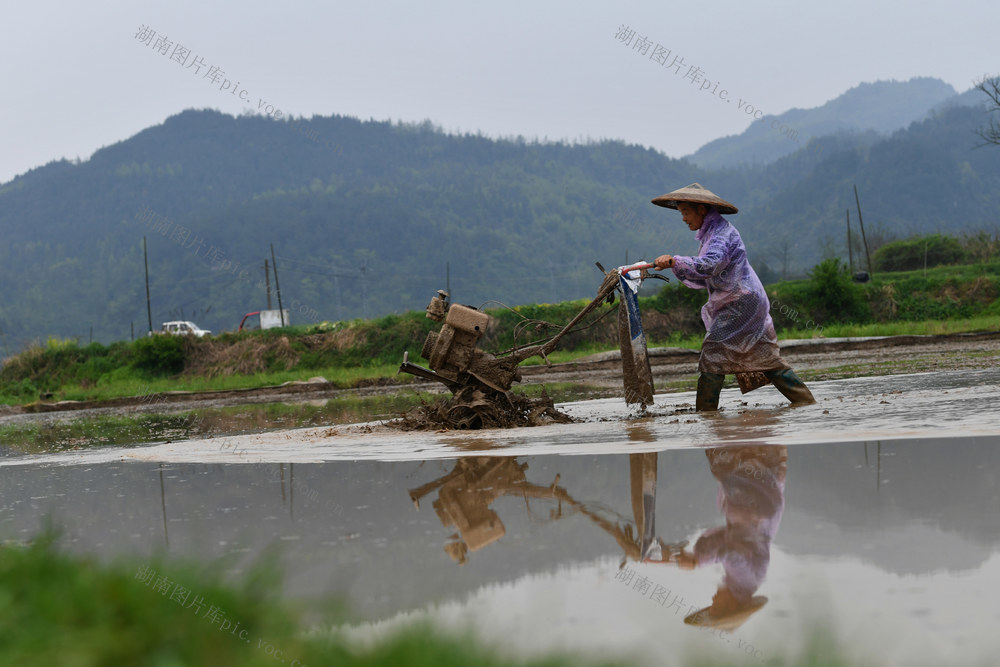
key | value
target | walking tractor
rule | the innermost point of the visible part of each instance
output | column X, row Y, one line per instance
column 480, row 378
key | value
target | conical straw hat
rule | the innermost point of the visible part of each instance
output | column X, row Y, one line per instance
column 695, row 194
column 729, row 621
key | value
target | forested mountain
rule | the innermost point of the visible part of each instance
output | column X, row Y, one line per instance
column 370, row 217
column 365, row 218
column 869, row 109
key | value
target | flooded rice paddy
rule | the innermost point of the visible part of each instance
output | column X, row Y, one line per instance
column 871, row 518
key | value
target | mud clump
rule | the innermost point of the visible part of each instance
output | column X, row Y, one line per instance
column 473, row 408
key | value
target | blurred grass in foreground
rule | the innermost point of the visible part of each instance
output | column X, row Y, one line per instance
column 60, row 609
column 57, row 609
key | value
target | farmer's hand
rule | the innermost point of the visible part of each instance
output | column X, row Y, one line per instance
column 664, row 262
column 685, row 560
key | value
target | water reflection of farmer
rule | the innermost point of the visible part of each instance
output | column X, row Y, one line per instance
column 751, row 496
column 741, row 337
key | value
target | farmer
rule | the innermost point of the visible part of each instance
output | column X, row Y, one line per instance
column 752, row 498
column 741, row 337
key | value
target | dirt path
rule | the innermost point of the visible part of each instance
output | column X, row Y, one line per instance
column 813, row 359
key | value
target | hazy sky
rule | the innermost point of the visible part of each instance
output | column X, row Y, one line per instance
column 76, row 78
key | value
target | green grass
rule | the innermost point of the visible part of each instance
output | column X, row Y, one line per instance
column 340, row 377
column 57, row 609
column 955, row 292
column 958, row 272
column 692, row 342
column 562, row 356
column 924, row 328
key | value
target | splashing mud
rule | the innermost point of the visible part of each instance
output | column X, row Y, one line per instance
column 477, row 408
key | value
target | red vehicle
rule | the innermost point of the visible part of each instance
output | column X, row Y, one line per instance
column 269, row 319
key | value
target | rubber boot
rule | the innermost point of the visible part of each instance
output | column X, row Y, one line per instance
column 789, row 384
column 709, row 388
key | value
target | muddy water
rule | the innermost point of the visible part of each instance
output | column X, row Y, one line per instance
column 897, row 544
column 925, row 405
column 890, row 544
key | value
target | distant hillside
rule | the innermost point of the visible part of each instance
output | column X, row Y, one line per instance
column 369, row 218
column 927, row 178
column 366, row 218
column 879, row 108
column 970, row 98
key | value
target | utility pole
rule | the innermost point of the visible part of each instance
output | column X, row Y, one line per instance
column 447, row 279
column 267, row 280
column 364, row 289
column 145, row 260
column 340, row 302
column 850, row 249
column 277, row 286
column 863, row 237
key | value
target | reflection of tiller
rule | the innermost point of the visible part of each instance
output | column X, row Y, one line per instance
column 457, row 362
column 465, row 495
column 476, row 482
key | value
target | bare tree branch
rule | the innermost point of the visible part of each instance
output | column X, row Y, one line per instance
column 990, row 86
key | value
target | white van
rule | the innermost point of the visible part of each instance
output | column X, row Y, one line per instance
column 183, row 328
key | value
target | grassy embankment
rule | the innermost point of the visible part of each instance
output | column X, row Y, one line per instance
column 944, row 299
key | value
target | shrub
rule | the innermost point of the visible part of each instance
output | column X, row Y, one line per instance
column 54, row 343
column 159, row 355
column 832, row 296
column 19, row 392
column 678, row 296
column 920, row 251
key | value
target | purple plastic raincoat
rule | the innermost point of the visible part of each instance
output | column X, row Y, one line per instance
column 752, row 497
column 741, row 337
